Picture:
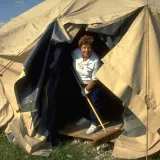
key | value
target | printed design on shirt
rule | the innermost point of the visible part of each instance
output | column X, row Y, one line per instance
column 80, row 65
column 89, row 67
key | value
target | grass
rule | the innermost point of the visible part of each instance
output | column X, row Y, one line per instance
column 63, row 151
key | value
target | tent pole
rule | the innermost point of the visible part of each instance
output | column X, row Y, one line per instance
column 89, row 102
column 147, row 76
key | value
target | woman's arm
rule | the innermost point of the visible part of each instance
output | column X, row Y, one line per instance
column 91, row 85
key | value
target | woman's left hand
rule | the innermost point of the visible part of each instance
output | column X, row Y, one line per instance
column 84, row 92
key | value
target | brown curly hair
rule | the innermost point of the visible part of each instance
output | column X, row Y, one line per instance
column 86, row 40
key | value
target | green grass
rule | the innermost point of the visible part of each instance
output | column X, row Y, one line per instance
column 63, row 151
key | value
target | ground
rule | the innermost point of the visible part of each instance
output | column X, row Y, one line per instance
column 68, row 149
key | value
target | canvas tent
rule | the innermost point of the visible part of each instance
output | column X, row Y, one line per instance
column 130, row 70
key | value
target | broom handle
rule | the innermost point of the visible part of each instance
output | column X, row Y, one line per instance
column 90, row 103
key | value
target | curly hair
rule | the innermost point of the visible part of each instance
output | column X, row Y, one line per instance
column 86, row 40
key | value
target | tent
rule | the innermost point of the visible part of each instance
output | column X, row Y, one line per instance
column 31, row 64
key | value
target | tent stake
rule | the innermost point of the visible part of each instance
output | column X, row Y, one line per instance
column 89, row 102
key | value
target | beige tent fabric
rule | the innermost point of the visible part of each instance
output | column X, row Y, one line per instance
column 126, row 147
column 126, row 67
column 27, row 137
column 98, row 11
column 8, row 104
column 28, row 27
column 6, row 111
column 124, row 73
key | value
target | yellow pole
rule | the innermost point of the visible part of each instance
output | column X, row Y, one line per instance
column 90, row 104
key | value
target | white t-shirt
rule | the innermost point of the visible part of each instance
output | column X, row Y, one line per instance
column 86, row 71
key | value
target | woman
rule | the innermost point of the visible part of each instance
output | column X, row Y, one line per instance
column 86, row 63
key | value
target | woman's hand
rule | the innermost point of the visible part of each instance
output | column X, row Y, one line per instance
column 84, row 92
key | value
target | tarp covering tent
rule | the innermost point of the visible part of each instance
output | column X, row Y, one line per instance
column 130, row 69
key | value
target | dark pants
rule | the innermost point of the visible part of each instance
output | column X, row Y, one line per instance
column 94, row 96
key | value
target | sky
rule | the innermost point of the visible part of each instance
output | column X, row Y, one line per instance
column 12, row 8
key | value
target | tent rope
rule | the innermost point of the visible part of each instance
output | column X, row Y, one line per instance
column 147, row 76
column 9, row 64
column 5, row 68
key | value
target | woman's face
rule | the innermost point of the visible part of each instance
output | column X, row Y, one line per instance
column 86, row 50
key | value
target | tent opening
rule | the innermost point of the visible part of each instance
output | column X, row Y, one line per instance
column 70, row 104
